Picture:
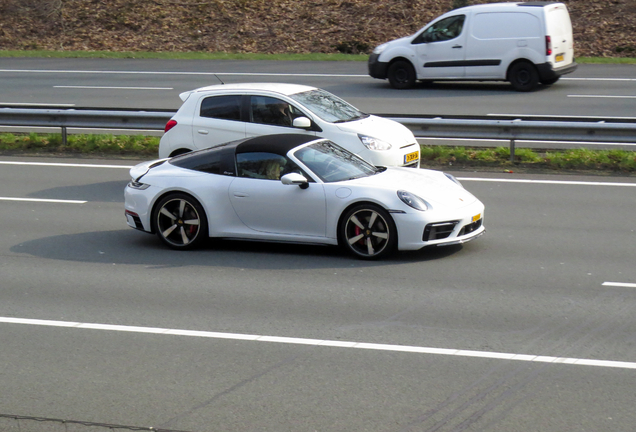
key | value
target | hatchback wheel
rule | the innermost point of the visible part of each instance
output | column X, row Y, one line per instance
column 180, row 221
column 368, row 232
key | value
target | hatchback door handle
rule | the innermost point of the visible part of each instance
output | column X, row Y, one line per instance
column 457, row 46
column 203, row 132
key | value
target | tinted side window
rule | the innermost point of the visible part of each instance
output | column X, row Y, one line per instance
column 262, row 165
column 271, row 111
column 217, row 160
column 222, row 107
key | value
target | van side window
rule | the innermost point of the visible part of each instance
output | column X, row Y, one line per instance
column 444, row 30
column 222, row 107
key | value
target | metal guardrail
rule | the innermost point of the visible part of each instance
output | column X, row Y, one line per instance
column 460, row 128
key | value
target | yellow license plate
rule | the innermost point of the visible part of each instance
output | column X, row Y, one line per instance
column 559, row 58
column 411, row 157
column 476, row 217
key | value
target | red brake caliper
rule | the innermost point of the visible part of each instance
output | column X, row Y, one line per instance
column 358, row 232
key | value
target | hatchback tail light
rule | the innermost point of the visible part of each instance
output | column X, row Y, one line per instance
column 548, row 45
column 171, row 123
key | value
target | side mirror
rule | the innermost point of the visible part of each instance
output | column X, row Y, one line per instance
column 302, row 123
column 295, row 179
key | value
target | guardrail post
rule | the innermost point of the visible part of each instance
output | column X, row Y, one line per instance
column 64, row 136
column 512, row 150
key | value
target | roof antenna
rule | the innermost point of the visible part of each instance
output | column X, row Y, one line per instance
column 219, row 79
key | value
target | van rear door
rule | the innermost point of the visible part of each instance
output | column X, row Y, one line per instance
column 559, row 40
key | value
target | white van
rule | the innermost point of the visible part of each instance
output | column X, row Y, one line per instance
column 521, row 42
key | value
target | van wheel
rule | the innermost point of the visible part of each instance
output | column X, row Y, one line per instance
column 523, row 76
column 401, row 75
column 550, row 81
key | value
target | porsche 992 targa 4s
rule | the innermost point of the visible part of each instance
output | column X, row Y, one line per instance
column 299, row 188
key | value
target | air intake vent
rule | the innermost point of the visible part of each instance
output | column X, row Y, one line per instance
column 440, row 230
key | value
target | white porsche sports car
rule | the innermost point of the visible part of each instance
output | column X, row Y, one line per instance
column 299, row 188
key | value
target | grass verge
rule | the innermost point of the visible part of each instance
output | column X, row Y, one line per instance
column 240, row 56
column 89, row 145
column 596, row 161
column 144, row 147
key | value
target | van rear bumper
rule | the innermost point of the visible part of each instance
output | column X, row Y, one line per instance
column 377, row 69
column 547, row 72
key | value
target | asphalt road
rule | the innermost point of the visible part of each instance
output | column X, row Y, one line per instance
column 592, row 90
column 529, row 328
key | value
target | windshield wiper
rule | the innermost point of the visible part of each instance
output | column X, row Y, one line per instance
column 358, row 117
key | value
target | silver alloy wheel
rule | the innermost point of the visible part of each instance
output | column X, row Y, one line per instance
column 178, row 222
column 367, row 233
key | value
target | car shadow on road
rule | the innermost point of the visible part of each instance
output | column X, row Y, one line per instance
column 112, row 191
column 127, row 247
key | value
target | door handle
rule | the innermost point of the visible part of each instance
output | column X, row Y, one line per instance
column 203, row 132
column 241, row 195
column 457, row 46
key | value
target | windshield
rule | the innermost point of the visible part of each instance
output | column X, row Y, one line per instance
column 332, row 163
column 328, row 107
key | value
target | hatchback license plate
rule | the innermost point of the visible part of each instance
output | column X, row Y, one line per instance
column 559, row 58
column 411, row 157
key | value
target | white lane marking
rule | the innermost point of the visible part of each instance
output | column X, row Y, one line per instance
column 602, row 96
column 558, row 182
column 36, row 104
column 113, row 88
column 476, row 179
column 620, row 284
column 599, row 79
column 65, row 164
column 42, row 200
column 240, row 74
column 181, row 73
column 488, row 140
column 325, row 343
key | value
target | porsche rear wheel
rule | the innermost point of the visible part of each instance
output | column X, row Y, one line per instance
column 180, row 221
column 368, row 232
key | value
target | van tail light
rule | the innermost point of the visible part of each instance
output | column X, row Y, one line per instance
column 548, row 45
column 171, row 123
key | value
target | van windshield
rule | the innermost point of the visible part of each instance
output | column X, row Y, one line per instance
column 328, row 107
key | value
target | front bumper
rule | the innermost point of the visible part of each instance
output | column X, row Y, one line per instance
column 402, row 157
column 439, row 228
column 377, row 69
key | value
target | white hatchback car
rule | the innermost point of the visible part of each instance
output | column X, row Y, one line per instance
column 220, row 113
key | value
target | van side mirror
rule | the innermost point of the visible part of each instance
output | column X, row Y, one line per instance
column 295, row 179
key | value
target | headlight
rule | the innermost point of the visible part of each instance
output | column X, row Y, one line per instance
column 138, row 185
column 379, row 49
column 453, row 179
column 374, row 143
column 413, row 200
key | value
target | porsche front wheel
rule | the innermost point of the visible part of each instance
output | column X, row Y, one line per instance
column 368, row 232
column 180, row 221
